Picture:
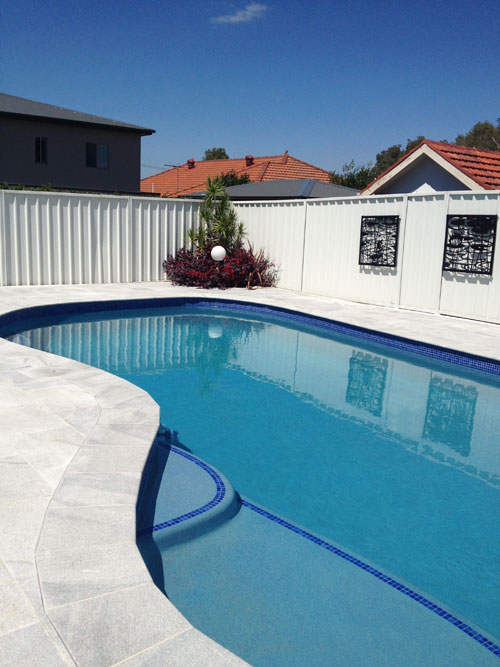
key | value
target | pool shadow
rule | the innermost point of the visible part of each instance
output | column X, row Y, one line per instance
column 152, row 475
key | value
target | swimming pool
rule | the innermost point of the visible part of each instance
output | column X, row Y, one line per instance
column 386, row 451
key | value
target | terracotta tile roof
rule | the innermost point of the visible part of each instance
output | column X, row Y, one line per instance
column 186, row 179
column 482, row 166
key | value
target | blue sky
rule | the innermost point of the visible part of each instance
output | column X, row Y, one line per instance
column 327, row 81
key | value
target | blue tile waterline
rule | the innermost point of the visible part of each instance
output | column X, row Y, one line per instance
column 320, row 542
column 219, row 495
column 10, row 322
column 424, row 349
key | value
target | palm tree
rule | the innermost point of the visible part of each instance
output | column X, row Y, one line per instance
column 218, row 220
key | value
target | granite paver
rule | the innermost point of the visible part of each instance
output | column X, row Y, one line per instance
column 67, row 505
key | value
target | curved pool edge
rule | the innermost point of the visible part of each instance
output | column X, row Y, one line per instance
column 86, row 564
column 222, row 504
column 105, row 614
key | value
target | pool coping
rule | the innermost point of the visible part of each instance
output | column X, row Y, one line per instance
column 117, row 414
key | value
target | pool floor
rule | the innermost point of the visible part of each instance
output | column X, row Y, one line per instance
column 226, row 582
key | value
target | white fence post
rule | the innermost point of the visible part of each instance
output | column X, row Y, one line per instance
column 303, row 247
column 402, row 238
column 3, row 257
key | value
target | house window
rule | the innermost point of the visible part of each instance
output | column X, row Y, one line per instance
column 470, row 243
column 97, row 155
column 41, row 150
column 378, row 245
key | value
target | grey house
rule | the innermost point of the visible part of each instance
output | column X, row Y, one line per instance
column 41, row 144
column 294, row 188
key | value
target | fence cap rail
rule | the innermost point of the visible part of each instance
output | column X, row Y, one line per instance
column 62, row 193
column 367, row 198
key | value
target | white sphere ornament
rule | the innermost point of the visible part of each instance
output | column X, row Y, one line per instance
column 215, row 331
column 218, row 253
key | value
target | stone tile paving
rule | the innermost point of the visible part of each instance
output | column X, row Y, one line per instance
column 73, row 587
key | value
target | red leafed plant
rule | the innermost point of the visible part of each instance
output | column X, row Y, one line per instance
column 242, row 267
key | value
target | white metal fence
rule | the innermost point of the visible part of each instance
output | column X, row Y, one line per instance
column 316, row 242
column 56, row 238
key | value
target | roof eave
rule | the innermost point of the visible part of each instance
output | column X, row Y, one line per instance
column 143, row 131
column 407, row 160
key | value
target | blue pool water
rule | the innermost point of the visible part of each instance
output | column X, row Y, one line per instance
column 390, row 454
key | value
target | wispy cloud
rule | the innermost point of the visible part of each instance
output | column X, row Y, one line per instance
column 252, row 11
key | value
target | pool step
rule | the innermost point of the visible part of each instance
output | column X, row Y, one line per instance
column 181, row 497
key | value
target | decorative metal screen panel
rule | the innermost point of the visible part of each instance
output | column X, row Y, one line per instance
column 366, row 383
column 450, row 412
column 378, row 245
column 470, row 243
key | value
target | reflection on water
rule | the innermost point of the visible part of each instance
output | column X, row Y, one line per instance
column 366, row 382
column 449, row 417
column 414, row 407
column 146, row 344
column 217, row 344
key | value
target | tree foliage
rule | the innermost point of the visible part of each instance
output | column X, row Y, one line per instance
column 232, row 178
column 353, row 176
column 216, row 154
column 483, row 135
column 389, row 156
column 360, row 176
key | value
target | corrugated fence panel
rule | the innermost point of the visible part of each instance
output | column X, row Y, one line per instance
column 472, row 295
column 59, row 238
column 9, row 254
column 278, row 227
column 423, row 252
column 56, row 238
column 331, row 263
